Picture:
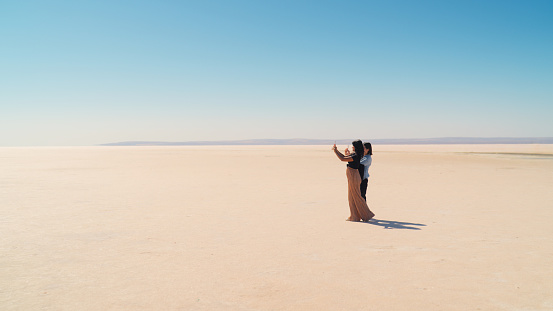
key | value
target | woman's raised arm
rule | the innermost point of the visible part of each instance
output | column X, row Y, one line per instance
column 340, row 156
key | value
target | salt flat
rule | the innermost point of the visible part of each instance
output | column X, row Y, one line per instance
column 457, row 227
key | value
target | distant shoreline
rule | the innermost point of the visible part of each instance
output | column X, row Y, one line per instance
column 407, row 141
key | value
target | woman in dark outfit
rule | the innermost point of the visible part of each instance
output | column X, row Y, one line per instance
column 366, row 161
column 357, row 205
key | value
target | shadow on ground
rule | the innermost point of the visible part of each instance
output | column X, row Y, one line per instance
column 389, row 224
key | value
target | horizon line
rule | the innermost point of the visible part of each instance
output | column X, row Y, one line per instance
column 383, row 141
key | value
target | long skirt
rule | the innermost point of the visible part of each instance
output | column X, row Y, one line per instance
column 357, row 205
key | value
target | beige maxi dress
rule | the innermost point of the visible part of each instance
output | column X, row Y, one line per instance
column 357, row 205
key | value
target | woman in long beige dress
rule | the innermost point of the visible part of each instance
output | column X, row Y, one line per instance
column 359, row 211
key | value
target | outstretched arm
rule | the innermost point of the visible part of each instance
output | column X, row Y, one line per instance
column 340, row 156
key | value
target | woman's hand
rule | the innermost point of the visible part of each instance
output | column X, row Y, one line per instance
column 341, row 156
column 346, row 152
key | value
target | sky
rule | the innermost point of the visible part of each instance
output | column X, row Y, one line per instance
column 78, row 73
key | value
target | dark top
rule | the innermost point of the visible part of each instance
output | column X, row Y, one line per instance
column 355, row 163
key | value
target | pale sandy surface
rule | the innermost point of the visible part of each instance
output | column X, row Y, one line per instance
column 263, row 228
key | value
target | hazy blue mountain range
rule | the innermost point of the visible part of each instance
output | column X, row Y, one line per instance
column 300, row 141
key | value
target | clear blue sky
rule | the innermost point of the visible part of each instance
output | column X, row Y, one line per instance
column 91, row 72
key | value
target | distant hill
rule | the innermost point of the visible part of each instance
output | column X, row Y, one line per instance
column 299, row 141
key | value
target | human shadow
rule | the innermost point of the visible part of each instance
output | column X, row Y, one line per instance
column 389, row 224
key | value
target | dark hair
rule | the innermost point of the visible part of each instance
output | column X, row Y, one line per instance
column 369, row 147
column 358, row 145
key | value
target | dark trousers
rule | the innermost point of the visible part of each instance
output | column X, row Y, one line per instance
column 364, row 185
